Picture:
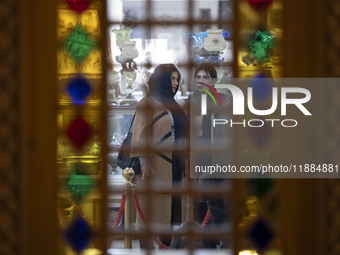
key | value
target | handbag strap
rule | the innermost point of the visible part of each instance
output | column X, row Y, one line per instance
column 131, row 124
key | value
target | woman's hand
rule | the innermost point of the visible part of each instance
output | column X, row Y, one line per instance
column 146, row 170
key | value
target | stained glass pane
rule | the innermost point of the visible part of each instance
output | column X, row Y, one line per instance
column 259, row 58
column 80, row 123
column 78, row 44
column 79, row 89
column 79, row 132
column 78, row 5
column 78, row 234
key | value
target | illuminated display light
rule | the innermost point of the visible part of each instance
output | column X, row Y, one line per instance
column 248, row 252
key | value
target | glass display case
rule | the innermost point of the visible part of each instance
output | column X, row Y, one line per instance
column 119, row 121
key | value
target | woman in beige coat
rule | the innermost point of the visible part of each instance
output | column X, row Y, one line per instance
column 159, row 127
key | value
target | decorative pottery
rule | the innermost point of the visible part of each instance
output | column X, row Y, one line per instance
column 214, row 42
column 129, row 77
column 129, row 50
column 197, row 39
column 122, row 35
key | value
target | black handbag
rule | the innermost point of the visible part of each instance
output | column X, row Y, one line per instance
column 124, row 160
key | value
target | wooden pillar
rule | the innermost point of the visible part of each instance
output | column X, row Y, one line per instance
column 302, row 199
column 37, row 42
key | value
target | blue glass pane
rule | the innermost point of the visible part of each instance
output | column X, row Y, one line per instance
column 261, row 234
column 261, row 87
column 79, row 89
column 78, row 235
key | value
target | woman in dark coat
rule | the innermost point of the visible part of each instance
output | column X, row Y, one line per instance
column 160, row 126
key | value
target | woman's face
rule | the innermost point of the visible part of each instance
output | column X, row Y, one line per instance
column 203, row 77
column 174, row 81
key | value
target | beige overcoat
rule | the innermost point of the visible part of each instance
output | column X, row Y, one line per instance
column 152, row 128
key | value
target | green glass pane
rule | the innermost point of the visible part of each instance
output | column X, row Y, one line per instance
column 79, row 186
column 261, row 45
column 260, row 187
column 79, row 44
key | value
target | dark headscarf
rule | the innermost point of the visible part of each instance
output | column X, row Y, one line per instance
column 160, row 88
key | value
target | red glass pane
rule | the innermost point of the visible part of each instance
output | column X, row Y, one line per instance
column 79, row 132
column 260, row 4
column 78, row 5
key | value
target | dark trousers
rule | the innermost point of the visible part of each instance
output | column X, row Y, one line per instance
column 218, row 212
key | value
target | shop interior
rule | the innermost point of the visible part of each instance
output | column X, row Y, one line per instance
column 76, row 72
